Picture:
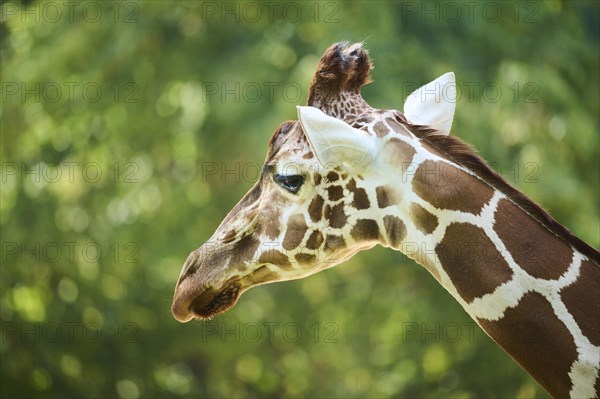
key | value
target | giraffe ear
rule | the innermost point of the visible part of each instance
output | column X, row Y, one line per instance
column 334, row 142
column 433, row 104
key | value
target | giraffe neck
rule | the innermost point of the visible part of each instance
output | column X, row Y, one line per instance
column 530, row 289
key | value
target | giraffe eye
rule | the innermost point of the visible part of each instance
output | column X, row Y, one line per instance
column 292, row 183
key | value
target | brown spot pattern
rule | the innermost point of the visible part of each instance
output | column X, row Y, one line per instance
column 581, row 299
column 229, row 236
column 263, row 275
column 317, row 179
column 296, row 229
column 396, row 127
column 276, row 258
column 334, row 243
column 336, row 216
column 365, row 230
column 395, row 230
column 335, row 193
column 305, row 259
column 362, row 121
column 272, row 225
column 315, row 209
column 471, row 261
column 383, row 197
column 380, row 129
column 399, row 153
column 422, row 218
column 539, row 252
column 332, row 176
column 538, row 340
column 245, row 248
column 315, row 240
column 447, row 187
column 360, row 197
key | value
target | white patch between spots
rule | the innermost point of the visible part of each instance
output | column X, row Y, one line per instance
column 583, row 376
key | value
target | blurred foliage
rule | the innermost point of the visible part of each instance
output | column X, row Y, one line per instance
column 121, row 96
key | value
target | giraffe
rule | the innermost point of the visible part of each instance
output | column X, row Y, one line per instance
column 346, row 177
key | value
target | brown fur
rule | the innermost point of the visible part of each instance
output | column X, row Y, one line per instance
column 423, row 220
column 531, row 245
column 365, row 230
column 580, row 298
column 335, row 215
column 474, row 265
column 332, row 176
column 296, row 229
column 384, row 197
column 360, row 198
column 276, row 258
column 315, row 240
column 335, row 193
column 400, row 153
column 380, row 129
column 315, row 209
column 543, row 339
column 305, row 259
column 395, row 230
column 272, row 226
column 446, row 187
column 334, row 243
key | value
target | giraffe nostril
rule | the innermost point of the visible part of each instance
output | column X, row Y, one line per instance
column 189, row 267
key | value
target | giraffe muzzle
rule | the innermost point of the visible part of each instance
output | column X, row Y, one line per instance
column 196, row 296
column 193, row 301
column 200, row 297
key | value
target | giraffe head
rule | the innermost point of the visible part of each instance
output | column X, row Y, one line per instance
column 323, row 194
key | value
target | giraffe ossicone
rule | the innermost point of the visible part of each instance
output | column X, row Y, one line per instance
column 347, row 177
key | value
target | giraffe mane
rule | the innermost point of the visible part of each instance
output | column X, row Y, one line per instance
column 465, row 155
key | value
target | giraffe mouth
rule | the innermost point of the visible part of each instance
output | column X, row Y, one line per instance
column 211, row 303
column 206, row 304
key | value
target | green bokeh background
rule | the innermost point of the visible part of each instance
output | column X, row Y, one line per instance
column 85, row 254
